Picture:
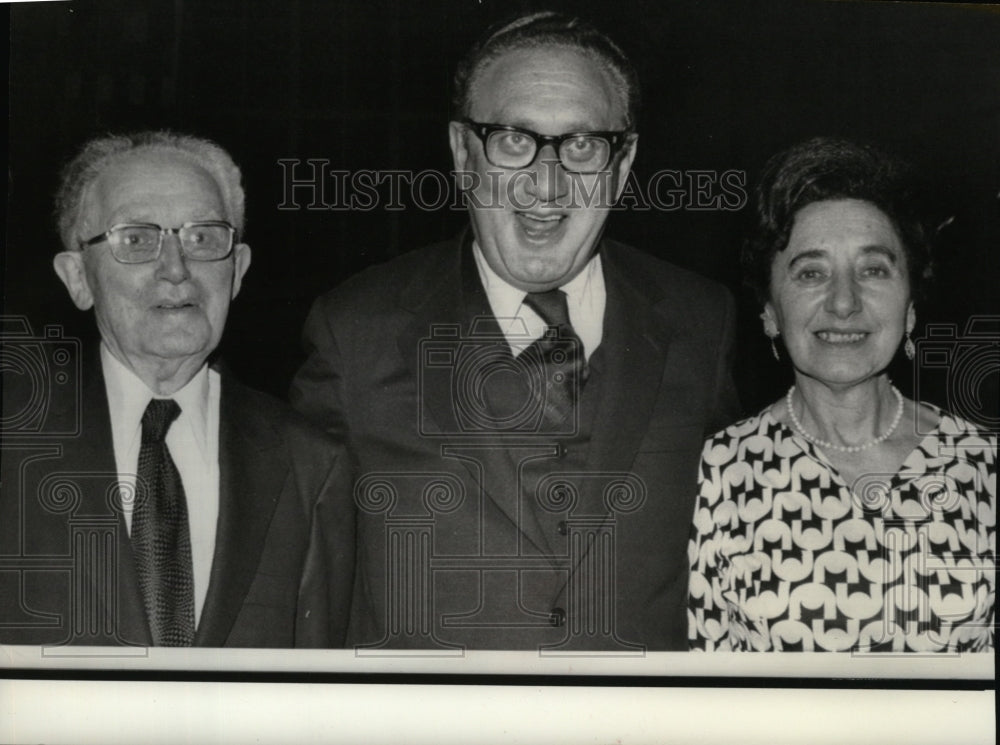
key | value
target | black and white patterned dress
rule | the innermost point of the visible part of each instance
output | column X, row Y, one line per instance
column 784, row 557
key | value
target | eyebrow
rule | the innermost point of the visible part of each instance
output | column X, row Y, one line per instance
column 818, row 253
column 882, row 251
column 573, row 129
column 814, row 253
column 130, row 216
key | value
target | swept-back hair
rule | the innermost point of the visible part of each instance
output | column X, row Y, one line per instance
column 544, row 29
column 101, row 152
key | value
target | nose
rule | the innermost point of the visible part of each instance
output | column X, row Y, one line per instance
column 843, row 299
column 549, row 180
column 171, row 265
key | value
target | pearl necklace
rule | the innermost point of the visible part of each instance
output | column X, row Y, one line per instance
column 842, row 448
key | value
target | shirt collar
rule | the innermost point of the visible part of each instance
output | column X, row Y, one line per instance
column 128, row 397
column 506, row 299
column 585, row 301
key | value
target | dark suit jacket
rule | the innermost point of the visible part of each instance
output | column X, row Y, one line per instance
column 454, row 550
column 284, row 555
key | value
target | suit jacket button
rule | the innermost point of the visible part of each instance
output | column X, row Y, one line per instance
column 557, row 617
column 562, row 527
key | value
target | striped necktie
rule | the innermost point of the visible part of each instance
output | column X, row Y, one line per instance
column 559, row 358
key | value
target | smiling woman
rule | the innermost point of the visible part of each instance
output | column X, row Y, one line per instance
column 844, row 517
column 840, row 294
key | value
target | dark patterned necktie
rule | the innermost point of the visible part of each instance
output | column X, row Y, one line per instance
column 559, row 352
column 161, row 538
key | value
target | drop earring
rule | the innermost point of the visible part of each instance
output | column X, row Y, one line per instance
column 771, row 332
column 909, row 348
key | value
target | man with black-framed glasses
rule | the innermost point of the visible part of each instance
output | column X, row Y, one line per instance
column 217, row 515
column 527, row 403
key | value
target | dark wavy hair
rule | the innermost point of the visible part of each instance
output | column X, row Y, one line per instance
column 542, row 29
column 829, row 168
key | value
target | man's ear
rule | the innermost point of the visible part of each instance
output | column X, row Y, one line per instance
column 241, row 264
column 625, row 164
column 69, row 266
column 459, row 151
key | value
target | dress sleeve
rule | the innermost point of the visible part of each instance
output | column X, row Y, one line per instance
column 989, row 517
column 708, row 620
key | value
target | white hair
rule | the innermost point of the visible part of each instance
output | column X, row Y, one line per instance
column 100, row 152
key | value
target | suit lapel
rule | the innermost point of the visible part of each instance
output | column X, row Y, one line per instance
column 252, row 472
column 449, row 306
column 631, row 359
column 634, row 353
column 444, row 306
column 91, row 458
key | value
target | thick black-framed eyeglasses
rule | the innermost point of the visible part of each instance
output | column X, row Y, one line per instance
column 516, row 147
column 141, row 242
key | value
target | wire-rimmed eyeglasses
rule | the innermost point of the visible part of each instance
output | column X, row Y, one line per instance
column 139, row 243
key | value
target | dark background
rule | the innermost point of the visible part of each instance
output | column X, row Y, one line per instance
column 366, row 86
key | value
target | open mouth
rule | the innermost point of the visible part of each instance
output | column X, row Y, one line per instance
column 842, row 337
column 540, row 225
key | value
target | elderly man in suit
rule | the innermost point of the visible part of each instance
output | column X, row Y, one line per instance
column 526, row 403
column 217, row 515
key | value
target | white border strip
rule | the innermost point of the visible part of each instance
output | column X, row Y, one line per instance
column 170, row 713
column 716, row 664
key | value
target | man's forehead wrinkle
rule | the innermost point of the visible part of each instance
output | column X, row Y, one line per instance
column 135, row 184
column 540, row 100
column 546, row 86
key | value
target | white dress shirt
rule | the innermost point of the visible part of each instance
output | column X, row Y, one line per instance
column 585, row 300
column 193, row 442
